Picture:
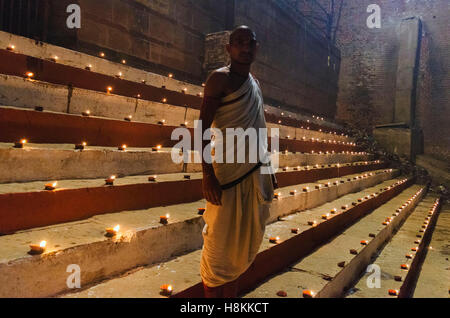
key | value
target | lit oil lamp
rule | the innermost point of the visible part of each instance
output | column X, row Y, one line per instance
column 184, row 90
column 124, row 62
column 119, row 75
column 29, row 75
column 277, row 195
column 102, row 54
column 50, row 186
column 20, row 144
column 80, row 146
column 110, row 232
column 325, row 216
column 170, row 75
column 312, row 223
column 109, row 89
column 110, row 180
column 333, row 211
column 308, row 294
column 86, row 113
column 164, row 100
column 166, row 289
column 152, row 178
column 128, row 118
column 54, row 58
column 88, row 67
column 38, row 249
column 306, row 189
column 122, row 148
column 404, row 266
column 11, row 47
column 274, row 240
column 415, row 249
column 318, row 187
column 157, row 148
column 293, row 192
column 364, row 242
column 164, row 219
column 162, row 122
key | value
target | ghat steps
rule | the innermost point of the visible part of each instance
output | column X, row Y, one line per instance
column 315, row 154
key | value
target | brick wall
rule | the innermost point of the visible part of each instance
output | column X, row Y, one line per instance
column 158, row 35
column 369, row 63
column 292, row 66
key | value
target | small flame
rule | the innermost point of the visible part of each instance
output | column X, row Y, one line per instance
column 43, row 244
column 84, row 143
column 23, row 141
column 54, row 184
column 30, row 74
column 116, row 228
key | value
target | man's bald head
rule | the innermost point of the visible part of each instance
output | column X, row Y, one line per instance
column 241, row 30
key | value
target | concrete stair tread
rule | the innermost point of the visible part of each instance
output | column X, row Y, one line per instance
column 434, row 278
column 91, row 230
column 32, row 186
column 300, row 220
column 317, row 269
column 91, row 183
column 149, row 279
column 393, row 255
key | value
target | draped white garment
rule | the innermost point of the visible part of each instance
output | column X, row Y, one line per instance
column 234, row 231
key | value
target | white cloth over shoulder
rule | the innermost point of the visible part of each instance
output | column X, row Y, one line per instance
column 234, row 231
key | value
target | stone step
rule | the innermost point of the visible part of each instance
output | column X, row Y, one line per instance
column 56, row 127
column 330, row 269
column 434, row 277
column 142, row 240
column 183, row 271
column 31, row 204
column 398, row 253
column 104, row 66
column 63, row 161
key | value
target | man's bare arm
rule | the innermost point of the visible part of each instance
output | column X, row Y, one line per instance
column 214, row 89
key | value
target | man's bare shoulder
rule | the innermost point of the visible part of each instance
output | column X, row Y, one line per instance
column 217, row 82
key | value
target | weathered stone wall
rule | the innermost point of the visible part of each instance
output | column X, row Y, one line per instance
column 367, row 83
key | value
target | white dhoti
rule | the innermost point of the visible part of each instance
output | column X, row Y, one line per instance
column 234, row 231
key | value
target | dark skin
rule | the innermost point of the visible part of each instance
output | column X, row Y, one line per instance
column 242, row 51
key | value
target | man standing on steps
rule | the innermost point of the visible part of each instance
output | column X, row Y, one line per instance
column 238, row 195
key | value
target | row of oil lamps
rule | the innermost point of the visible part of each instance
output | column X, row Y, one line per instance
column 55, row 58
column 109, row 89
column 276, row 240
column 83, row 145
column 405, row 267
column 166, row 289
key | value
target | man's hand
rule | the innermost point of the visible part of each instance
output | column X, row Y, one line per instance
column 211, row 189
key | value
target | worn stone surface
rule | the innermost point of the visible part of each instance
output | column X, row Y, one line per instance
column 434, row 279
column 316, row 270
column 393, row 255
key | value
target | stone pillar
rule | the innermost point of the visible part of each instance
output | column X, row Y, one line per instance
column 403, row 137
column 408, row 34
column 216, row 55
